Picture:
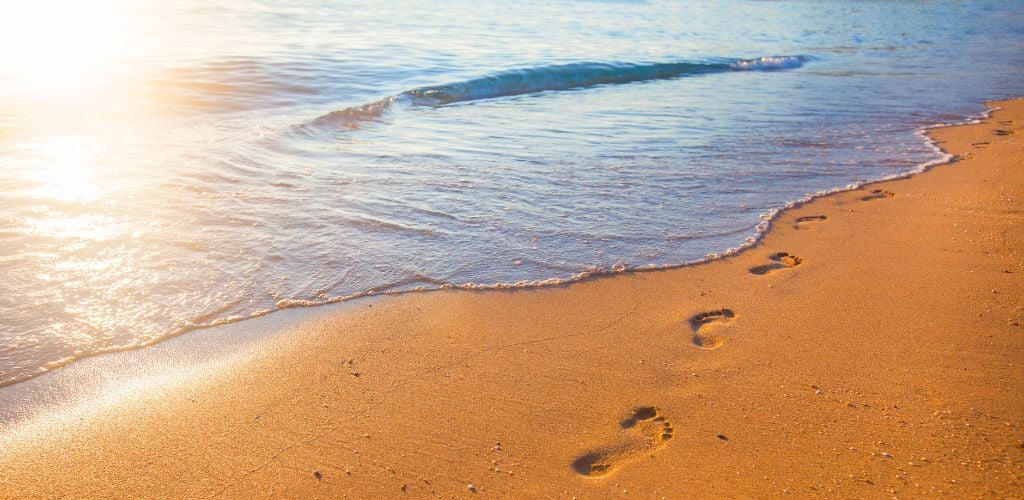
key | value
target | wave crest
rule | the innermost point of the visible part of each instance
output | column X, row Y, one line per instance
column 543, row 79
column 769, row 63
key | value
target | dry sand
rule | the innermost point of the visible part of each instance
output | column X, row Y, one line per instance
column 886, row 362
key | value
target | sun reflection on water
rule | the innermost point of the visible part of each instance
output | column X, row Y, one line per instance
column 67, row 170
column 80, row 241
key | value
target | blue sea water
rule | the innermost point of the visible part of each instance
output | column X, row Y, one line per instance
column 167, row 166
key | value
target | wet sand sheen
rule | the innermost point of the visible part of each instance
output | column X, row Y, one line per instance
column 885, row 359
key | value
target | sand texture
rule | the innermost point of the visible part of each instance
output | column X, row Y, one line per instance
column 872, row 345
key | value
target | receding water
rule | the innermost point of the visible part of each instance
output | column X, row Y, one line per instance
column 170, row 165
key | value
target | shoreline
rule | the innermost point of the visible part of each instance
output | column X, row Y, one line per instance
column 529, row 392
column 760, row 229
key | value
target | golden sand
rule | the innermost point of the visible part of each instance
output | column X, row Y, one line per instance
column 870, row 345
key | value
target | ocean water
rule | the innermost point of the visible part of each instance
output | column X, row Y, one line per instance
column 171, row 165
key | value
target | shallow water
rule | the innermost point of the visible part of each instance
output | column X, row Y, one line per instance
column 168, row 166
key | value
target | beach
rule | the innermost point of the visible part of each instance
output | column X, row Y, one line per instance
column 170, row 167
column 871, row 344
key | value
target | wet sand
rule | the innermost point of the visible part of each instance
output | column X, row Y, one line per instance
column 872, row 344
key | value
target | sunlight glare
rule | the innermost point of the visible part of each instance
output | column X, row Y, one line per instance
column 68, row 169
column 54, row 46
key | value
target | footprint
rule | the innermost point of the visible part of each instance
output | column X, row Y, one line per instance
column 782, row 260
column 804, row 222
column 1000, row 131
column 877, row 194
column 705, row 326
column 646, row 431
column 980, row 145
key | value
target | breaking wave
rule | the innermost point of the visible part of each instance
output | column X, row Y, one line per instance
column 543, row 79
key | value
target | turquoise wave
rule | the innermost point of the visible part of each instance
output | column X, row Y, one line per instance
column 545, row 79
